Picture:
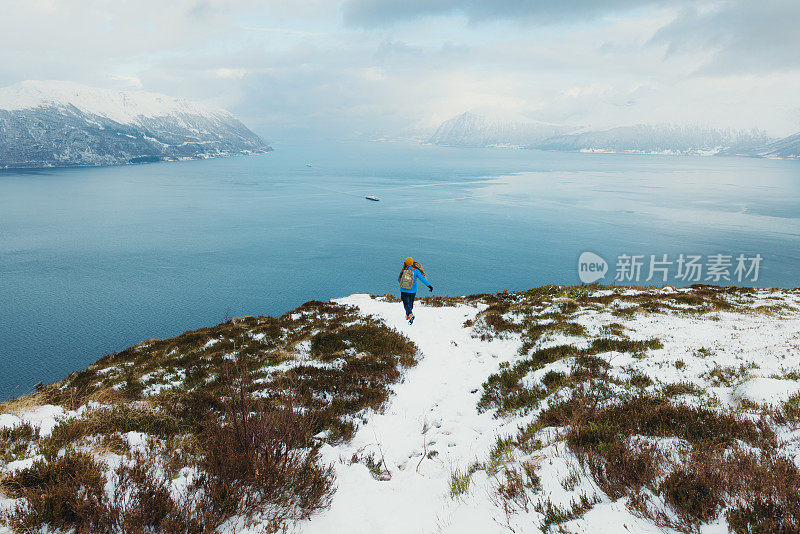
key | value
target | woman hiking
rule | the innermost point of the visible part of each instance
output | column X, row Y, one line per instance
column 408, row 285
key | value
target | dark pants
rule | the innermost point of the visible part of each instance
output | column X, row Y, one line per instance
column 408, row 301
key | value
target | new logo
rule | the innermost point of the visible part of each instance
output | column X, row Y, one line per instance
column 591, row 267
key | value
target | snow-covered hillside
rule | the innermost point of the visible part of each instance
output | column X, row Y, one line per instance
column 476, row 130
column 788, row 147
column 56, row 123
column 448, row 460
column 558, row 409
column 658, row 139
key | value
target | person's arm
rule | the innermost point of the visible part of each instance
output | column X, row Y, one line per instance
column 419, row 275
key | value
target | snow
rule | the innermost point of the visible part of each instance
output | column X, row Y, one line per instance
column 772, row 391
column 44, row 417
column 438, row 396
column 495, row 129
column 169, row 382
column 8, row 420
column 612, row 517
column 124, row 107
column 434, row 409
column 211, row 343
column 431, row 425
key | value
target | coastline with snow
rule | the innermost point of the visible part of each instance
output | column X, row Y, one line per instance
column 499, row 130
column 469, row 430
column 49, row 124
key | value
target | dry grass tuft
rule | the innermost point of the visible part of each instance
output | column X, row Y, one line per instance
column 63, row 492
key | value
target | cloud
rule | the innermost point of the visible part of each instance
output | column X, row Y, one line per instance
column 284, row 31
column 334, row 68
column 378, row 13
column 126, row 81
column 232, row 74
column 741, row 36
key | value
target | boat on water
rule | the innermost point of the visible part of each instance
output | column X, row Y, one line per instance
column 372, row 198
column 308, row 165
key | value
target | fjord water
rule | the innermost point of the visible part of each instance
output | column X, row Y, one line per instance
column 96, row 259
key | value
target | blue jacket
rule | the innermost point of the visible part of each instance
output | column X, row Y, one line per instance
column 417, row 276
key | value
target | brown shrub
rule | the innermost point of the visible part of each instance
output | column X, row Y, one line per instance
column 141, row 500
column 262, row 457
column 105, row 421
column 333, row 395
column 761, row 517
column 15, row 441
column 654, row 416
column 621, row 468
column 64, row 492
column 695, row 491
column 511, row 491
column 716, row 472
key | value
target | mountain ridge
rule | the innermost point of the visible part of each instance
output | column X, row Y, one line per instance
column 474, row 129
column 471, row 129
column 65, row 124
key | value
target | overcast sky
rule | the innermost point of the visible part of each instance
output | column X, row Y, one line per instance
column 382, row 67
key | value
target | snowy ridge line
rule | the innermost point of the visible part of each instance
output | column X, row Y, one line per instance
column 437, row 401
column 64, row 124
column 124, row 107
column 498, row 131
column 444, row 453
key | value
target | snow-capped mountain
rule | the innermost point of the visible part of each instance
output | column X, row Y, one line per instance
column 471, row 129
column 61, row 124
column 788, row 147
column 476, row 130
column 658, row 139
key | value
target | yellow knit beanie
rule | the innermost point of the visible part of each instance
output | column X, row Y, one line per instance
column 409, row 261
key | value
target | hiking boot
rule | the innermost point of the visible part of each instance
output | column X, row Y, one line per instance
column 411, row 319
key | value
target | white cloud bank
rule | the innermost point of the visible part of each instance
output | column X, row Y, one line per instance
column 319, row 67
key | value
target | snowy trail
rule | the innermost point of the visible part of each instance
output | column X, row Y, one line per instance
column 431, row 426
column 439, row 397
column 434, row 409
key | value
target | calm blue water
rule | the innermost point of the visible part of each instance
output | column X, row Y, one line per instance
column 95, row 260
